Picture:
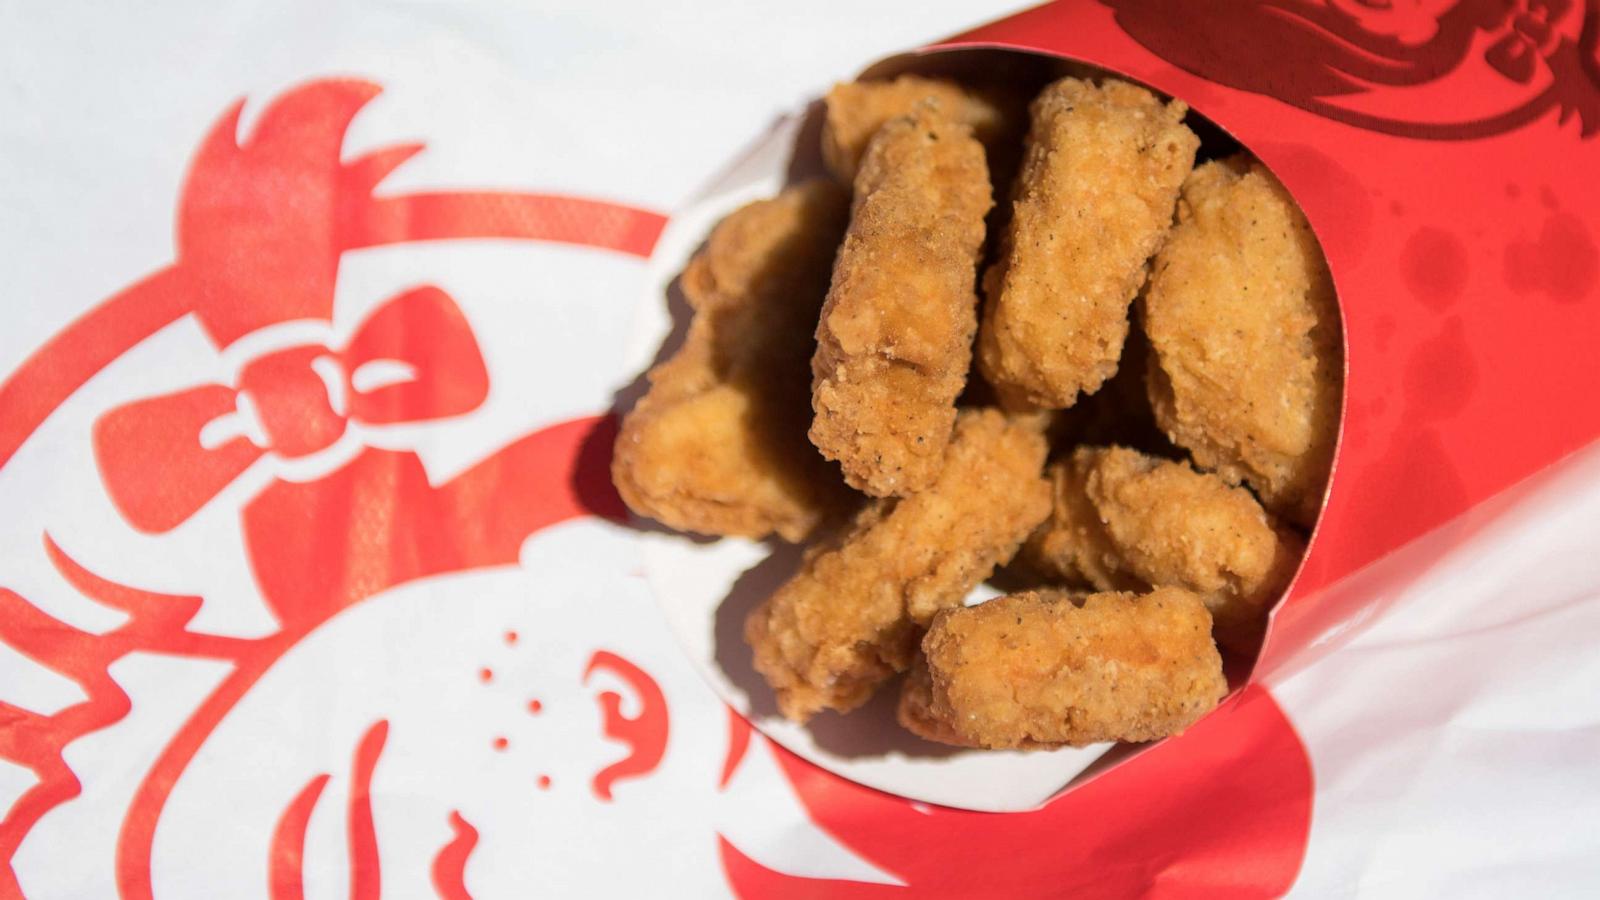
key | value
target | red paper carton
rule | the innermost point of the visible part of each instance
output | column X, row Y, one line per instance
column 1446, row 161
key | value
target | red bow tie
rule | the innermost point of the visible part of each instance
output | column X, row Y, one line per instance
column 413, row 359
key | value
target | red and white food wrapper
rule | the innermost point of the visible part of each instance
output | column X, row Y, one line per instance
column 313, row 583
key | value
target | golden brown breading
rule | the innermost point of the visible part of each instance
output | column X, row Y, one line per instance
column 1036, row 668
column 1126, row 521
column 895, row 338
column 718, row 444
column 1072, row 546
column 857, row 109
column 915, row 713
column 915, row 709
column 1247, row 370
column 1100, row 174
column 849, row 619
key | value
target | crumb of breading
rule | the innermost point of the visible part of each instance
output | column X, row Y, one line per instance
column 1123, row 520
column 1247, row 369
column 850, row 618
column 1100, row 175
column 1037, row 668
column 718, row 443
column 857, row 109
column 894, row 341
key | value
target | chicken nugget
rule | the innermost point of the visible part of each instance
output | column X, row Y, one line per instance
column 895, row 338
column 1100, row 175
column 1247, row 370
column 850, row 618
column 1126, row 521
column 718, row 443
column 857, row 109
column 1038, row 669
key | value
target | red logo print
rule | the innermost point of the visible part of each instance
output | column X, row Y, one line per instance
column 1432, row 69
column 262, row 225
column 645, row 734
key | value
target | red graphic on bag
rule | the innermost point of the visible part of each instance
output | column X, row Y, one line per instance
column 262, row 225
column 1384, row 65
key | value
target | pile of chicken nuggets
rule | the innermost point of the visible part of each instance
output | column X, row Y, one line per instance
column 1119, row 388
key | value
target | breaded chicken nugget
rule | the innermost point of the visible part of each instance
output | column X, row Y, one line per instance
column 895, row 339
column 1036, row 668
column 1100, row 174
column 850, row 618
column 1127, row 521
column 718, row 444
column 857, row 109
column 1247, row 370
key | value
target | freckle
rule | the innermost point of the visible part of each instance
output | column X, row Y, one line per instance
column 501, row 743
column 544, row 782
column 535, row 706
column 511, row 638
column 485, row 674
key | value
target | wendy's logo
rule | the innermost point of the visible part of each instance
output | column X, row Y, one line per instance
column 338, row 514
column 1430, row 69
